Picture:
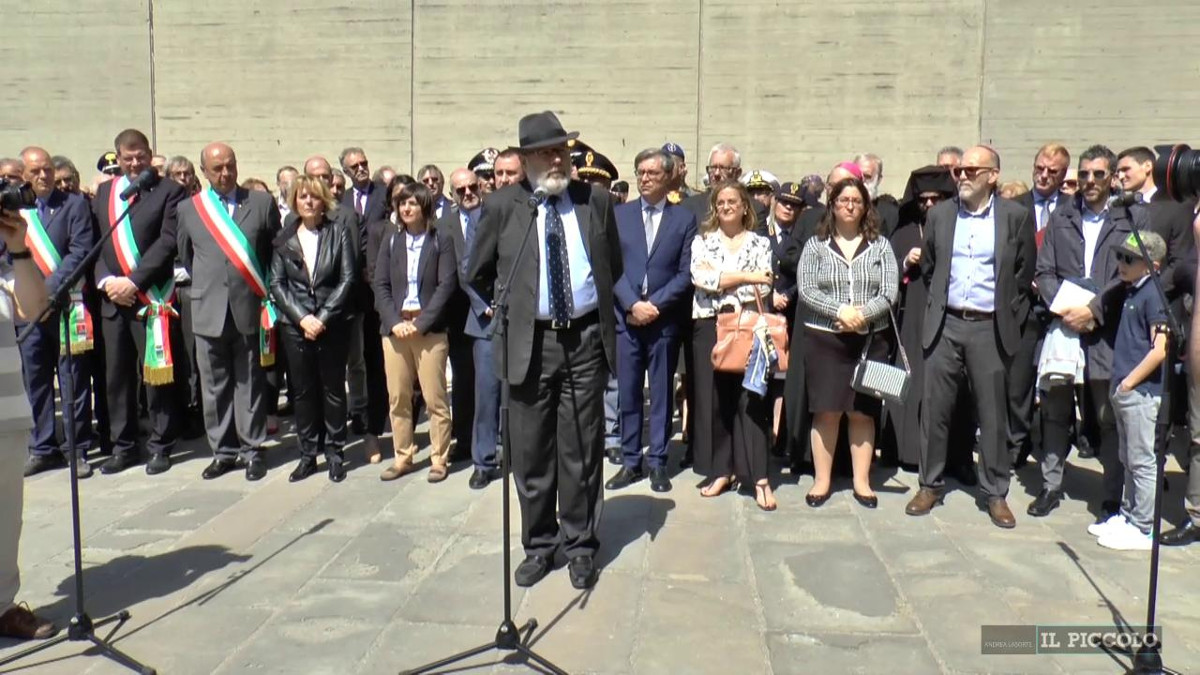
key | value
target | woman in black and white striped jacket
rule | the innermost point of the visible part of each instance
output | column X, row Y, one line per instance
column 848, row 281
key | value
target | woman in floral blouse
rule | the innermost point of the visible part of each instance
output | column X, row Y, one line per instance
column 730, row 263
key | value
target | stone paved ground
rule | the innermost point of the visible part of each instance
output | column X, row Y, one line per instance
column 226, row 576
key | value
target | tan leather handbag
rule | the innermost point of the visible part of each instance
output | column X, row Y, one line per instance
column 735, row 337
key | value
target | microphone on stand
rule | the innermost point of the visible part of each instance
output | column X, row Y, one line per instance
column 539, row 195
column 1123, row 198
column 141, row 182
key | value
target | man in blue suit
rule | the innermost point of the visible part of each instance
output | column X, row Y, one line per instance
column 653, row 299
column 59, row 234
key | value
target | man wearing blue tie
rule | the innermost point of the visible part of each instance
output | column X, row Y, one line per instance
column 653, row 300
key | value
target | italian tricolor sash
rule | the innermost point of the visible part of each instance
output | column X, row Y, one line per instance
column 241, row 254
column 158, row 367
column 79, row 336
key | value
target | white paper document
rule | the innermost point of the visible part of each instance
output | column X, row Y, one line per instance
column 1070, row 295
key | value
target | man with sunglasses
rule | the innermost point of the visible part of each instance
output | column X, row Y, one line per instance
column 433, row 179
column 1078, row 246
column 978, row 264
column 474, row 431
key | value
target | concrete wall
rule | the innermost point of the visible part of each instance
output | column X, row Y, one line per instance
column 796, row 85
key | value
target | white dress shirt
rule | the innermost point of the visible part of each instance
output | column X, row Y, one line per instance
column 583, row 285
column 413, row 244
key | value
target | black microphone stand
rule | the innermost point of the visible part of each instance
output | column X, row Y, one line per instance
column 82, row 627
column 1147, row 660
column 508, row 636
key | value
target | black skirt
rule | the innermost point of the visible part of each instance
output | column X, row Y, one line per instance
column 829, row 361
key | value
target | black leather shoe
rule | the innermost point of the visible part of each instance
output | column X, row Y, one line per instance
column 531, row 570
column 1181, row 536
column 306, row 468
column 659, row 480
column 582, row 571
column 117, row 464
column 256, row 468
column 481, row 477
column 1046, row 502
column 159, row 463
column 39, row 463
column 624, row 478
column 614, row 456
column 218, row 468
column 337, row 471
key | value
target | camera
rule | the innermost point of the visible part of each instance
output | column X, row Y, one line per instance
column 15, row 196
column 1178, row 171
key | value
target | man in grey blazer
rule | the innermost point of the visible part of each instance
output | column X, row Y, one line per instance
column 226, row 308
column 978, row 263
column 561, row 343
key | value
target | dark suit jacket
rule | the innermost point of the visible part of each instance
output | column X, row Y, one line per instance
column 1173, row 222
column 437, row 281
column 889, row 214
column 376, row 207
column 666, row 266
column 217, row 287
column 469, row 310
column 69, row 226
column 154, row 229
column 1061, row 257
column 506, row 215
column 1016, row 254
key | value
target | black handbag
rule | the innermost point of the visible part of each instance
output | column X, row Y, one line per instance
column 883, row 381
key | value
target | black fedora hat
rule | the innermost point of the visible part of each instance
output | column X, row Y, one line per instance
column 542, row 130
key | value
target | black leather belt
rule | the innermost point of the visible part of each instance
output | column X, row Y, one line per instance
column 577, row 323
column 970, row 314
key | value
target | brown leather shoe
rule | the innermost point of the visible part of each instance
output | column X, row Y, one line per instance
column 1001, row 515
column 923, row 502
column 396, row 470
column 21, row 623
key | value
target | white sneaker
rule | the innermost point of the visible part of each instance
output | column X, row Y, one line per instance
column 1125, row 538
column 1114, row 521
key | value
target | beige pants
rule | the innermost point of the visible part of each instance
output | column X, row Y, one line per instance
column 421, row 358
column 12, row 501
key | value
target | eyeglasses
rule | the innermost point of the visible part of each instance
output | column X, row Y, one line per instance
column 648, row 173
column 1071, row 184
column 849, row 202
column 470, row 187
column 356, row 167
column 969, row 172
column 1125, row 258
column 1098, row 176
column 929, row 199
column 713, row 168
column 1041, row 168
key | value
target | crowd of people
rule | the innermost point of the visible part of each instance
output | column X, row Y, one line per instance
column 1021, row 314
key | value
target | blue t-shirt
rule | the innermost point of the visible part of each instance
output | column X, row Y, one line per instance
column 1141, row 315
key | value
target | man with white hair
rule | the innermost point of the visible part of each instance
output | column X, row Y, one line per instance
column 724, row 164
column 871, row 166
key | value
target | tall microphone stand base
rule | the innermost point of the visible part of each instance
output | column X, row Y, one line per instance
column 81, row 629
column 508, row 638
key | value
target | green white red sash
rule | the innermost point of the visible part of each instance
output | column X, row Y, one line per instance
column 79, row 336
column 158, row 367
column 241, row 254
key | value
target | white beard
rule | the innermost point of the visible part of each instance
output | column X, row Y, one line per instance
column 873, row 190
column 554, row 185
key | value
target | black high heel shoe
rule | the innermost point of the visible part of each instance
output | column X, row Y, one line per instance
column 868, row 502
column 816, row 501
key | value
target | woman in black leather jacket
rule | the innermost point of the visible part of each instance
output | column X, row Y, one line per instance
column 312, row 272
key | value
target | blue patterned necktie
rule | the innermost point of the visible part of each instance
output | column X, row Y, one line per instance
column 43, row 210
column 557, row 266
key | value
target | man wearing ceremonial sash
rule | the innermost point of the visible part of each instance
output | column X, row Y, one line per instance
column 225, row 235
column 58, row 232
column 135, row 273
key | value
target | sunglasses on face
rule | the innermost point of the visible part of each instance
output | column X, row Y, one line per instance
column 929, row 199
column 969, row 172
column 356, row 167
column 1098, row 176
column 1071, row 184
column 1041, row 168
column 471, row 187
column 1125, row 257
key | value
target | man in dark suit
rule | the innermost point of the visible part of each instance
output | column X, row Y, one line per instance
column 460, row 221
column 1172, row 220
column 560, row 346
column 131, row 283
column 978, row 264
column 59, row 234
column 225, row 235
column 654, row 294
column 1077, row 246
column 724, row 163
column 1049, row 171
column 871, row 166
column 367, row 200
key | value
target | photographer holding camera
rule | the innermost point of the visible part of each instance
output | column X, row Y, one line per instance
column 22, row 295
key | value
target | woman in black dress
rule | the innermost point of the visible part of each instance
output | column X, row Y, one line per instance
column 848, row 282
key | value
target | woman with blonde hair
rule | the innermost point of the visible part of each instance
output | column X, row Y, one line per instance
column 312, row 271
column 731, row 268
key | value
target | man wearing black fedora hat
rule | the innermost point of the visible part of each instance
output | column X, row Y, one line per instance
column 561, row 343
